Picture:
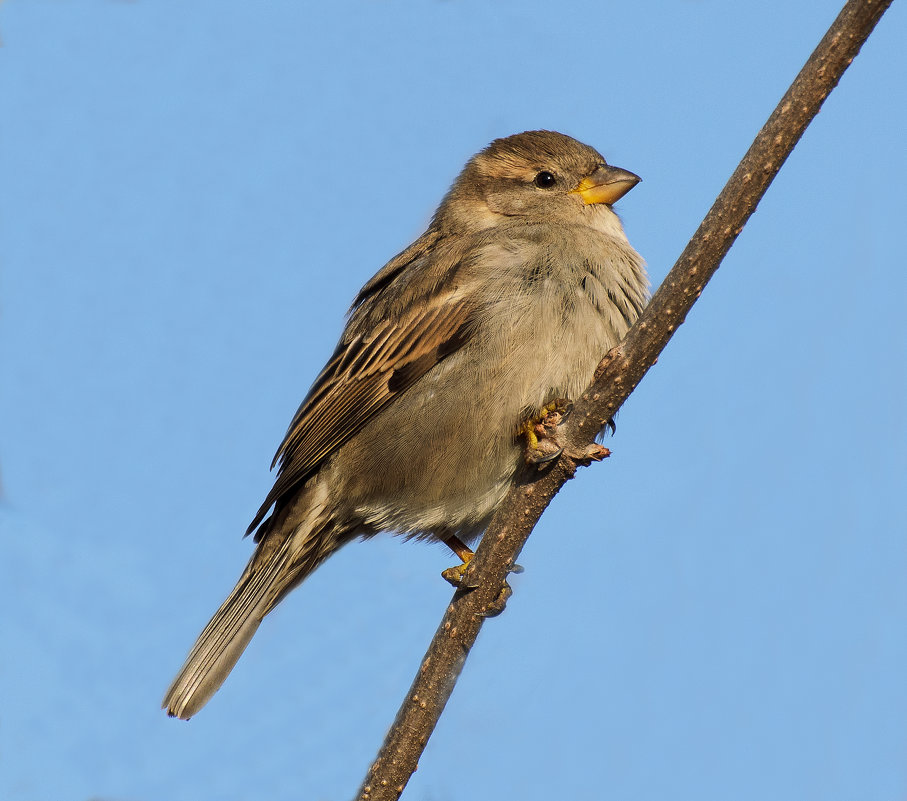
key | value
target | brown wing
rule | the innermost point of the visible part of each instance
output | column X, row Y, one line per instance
column 363, row 376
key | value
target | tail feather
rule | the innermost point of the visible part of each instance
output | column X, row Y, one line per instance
column 226, row 636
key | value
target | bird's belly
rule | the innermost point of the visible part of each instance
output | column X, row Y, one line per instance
column 446, row 452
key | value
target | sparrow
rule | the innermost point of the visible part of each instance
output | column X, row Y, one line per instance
column 522, row 282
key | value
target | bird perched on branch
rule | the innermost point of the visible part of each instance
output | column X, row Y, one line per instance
column 452, row 353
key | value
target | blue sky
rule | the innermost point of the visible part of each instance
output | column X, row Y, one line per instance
column 191, row 195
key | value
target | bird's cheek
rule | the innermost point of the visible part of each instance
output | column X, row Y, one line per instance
column 505, row 203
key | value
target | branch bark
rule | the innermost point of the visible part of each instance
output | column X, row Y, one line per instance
column 616, row 377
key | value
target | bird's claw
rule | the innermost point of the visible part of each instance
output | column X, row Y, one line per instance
column 542, row 443
column 455, row 575
column 545, row 451
column 591, row 453
column 498, row 604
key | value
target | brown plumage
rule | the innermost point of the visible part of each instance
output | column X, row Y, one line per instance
column 522, row 282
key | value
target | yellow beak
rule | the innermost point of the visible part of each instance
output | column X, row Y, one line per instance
column 606, row 185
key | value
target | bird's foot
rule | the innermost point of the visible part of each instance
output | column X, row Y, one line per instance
column 591, row 453
column 543, row 444
column 499, row 604
column 455, row 576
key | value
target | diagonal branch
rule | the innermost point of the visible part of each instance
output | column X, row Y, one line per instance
column 616, row 377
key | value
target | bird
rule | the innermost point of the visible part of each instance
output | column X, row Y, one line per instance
column 417, row 424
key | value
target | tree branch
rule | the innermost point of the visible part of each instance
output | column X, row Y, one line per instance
column 616, row 377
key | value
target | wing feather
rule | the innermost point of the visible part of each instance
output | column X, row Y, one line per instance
column 362, row 377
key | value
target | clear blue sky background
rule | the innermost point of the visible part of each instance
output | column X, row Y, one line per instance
column 190, row 195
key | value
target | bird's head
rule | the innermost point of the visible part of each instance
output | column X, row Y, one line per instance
column 535, row 176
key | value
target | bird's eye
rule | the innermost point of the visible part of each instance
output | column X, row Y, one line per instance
column 545, row 180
